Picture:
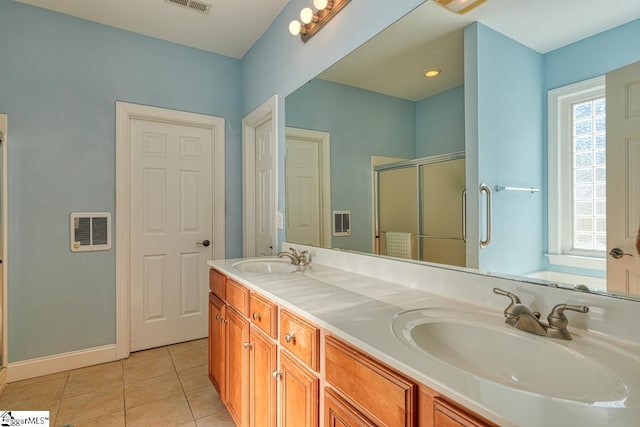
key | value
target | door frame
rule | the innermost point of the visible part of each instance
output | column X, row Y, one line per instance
column 125, row 113
column 259, row 116
column 323, row 139
column 4, row 125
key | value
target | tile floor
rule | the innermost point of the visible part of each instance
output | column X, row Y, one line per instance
column 165, row 386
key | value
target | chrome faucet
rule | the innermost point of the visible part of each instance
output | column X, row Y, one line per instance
column 521, row 317
column 303, row 258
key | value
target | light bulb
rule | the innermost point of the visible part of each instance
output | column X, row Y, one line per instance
column 434, row 72
column 295, row 27
column 306, row 15
column 320, row 4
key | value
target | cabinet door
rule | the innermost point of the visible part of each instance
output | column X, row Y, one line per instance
column 262, row 363
column 218, row 345
column 238, row 367
column 339, row 413
column 298, row 394
column 448, row 415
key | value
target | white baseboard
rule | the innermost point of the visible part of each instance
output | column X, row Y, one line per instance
column 60, row 362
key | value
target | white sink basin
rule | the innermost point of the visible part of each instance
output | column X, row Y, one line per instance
column 582, row 370
column 266, row 266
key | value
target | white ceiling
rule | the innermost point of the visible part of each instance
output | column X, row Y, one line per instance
column 393, row 62
column 230, row 29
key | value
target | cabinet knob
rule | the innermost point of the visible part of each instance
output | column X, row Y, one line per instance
column 257, row 316
column 276, row 374
column 247, row 345
column 218, row 317
column 290, row 338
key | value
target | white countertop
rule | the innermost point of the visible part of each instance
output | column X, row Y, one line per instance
column 360, row 310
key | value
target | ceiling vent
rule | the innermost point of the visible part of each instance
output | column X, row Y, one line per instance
column 195, row 5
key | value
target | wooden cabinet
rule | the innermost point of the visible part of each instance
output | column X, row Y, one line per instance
column 301, row 338
column 384, row 396
column 339, row 413
column 299, row 391
column 217, row 283
column 218, row 345
column 238, row 297
column 247, row 336
column 238, row 367
column 264, row 314
column 434, row 411
column 263, row 361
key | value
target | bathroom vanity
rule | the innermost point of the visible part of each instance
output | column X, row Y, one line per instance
column 354, row 340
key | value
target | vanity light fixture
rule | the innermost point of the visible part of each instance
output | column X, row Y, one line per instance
column 434, row 72
column 311, row 22
column 459, row 6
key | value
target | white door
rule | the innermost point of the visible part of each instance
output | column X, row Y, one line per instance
column 623, row 177
column 265, row 229
column 171, row 217
column 303, row 191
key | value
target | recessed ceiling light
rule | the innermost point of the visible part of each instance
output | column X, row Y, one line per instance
column 460, row 6
column 432, row 73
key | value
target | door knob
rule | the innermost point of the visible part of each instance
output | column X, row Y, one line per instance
column 618, row 253
column 204, row 243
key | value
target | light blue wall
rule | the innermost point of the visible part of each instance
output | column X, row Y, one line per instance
column 61, row 77
column 585, row 59
column 440, row 123
column 362, row 124
column 504, row 99
column 279, row 63
column 593, row 56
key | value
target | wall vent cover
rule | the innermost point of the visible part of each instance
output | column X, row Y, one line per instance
column 90, row 231
column 342, row 223
column 195, row 5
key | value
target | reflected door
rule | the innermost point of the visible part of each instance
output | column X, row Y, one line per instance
column 623, row 177
column 303, row 192
column 265, row 230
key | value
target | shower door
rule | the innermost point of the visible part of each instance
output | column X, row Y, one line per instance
column 442, row 219
column 397, row 207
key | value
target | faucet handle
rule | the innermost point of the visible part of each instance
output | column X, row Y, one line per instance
column 304, row 258
column 514, row 297
column 294, row 252
column 558, row 320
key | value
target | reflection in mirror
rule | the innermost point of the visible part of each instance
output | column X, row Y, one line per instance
column 419, row 209
column 490, row 102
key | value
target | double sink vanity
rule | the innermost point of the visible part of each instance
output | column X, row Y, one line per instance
column 353, row 340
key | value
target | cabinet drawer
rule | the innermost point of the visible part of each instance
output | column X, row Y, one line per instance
column 301, row 338
column 264, row 314
column 383, row 395
column 217, row 283
column 238, row 297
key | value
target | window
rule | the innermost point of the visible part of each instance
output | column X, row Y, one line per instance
column 577, row 174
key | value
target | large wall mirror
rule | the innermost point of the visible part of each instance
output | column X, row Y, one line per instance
column 360, row 134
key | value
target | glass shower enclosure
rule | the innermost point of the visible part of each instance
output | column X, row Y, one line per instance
column 419, row 209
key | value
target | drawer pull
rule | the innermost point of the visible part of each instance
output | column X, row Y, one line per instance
column 290, row 338
column 257, row 316
column 218, row 317
column 247, row 345
column 276, row 374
